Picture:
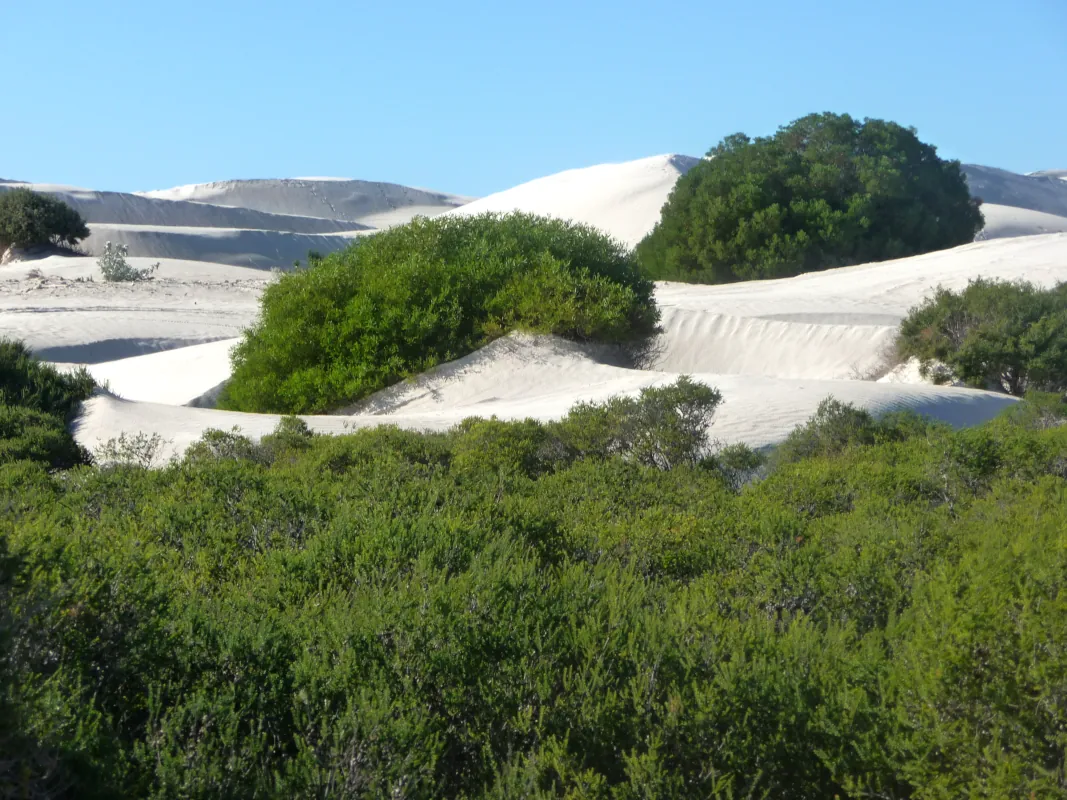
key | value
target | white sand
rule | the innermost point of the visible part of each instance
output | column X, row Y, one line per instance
column 93, row 322
column 1007, row 221
column 172, row 377
column 623, row 200
column 332, row 198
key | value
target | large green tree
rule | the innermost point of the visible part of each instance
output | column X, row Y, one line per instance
column 30, row 218
column 824, row 191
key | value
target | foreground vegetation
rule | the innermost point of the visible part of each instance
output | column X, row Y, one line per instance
column 588, row 608
column 824, row 191
column 404, row 300
column 1010, row 336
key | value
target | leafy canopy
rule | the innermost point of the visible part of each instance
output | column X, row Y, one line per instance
column 404, row 300
column 483, row 613
column 824, row 191
column 1007, row 335
column 29, row 218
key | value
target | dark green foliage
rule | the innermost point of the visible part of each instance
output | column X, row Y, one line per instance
column 837, row 426
column 824, row 191
column 1006, row 335
column 26, row 381
column 487, row 613
column 29, row 218
column 36, row 403
column 404, row 300
column 662, row 427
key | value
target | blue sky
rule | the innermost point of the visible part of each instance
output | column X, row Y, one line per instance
column 475, row 97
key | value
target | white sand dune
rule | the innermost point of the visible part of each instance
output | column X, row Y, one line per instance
column 122, row 208
column 358, row 202
column 245, row 248
column 1007, row 221
column 93, row 322
column 178, row 376
column 174, row 269
column 520, row 376
column 623, row 200
column 1042, row 193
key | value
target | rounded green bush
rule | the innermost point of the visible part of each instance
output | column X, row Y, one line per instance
column 30, row 218
column 824, row 191
column 404, row 300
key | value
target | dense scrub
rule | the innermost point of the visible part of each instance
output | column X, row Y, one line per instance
column 824, row 191
column 1010, row 336
column 529, row 610
column 36, row 403
column 29, row 218
column 404, row 300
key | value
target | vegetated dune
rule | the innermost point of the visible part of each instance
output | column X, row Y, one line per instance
column 90, row 322
column 623, row 200
column 774, row 348
column 542, row 377
column 121, row 208
column 356, row 202
column 1041, row 192
column 1007, row 221
column 244, row 248
column 835, row 324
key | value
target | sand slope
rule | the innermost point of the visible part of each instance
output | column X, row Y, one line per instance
column 1036, row 192
column 130, row 209
column 1006, row 221
column 245, row 248
column 623, row 200
column 360, row 202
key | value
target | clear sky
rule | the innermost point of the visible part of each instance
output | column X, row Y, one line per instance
column 474, row 97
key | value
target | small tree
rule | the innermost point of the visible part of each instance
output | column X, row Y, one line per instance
column 115, row 268
column 28, row 218
column 1008, row 335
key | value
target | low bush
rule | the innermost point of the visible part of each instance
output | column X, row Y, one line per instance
column 116, row 269
column 29, row 218
column 489, row 612
column 26, row 381
column 1010, row 336
column 404, row 300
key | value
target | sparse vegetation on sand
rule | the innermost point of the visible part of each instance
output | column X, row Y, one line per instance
column 116, row 269
column 1007, row 335
column 591, row 608
column 404, row 300
column 824, row 191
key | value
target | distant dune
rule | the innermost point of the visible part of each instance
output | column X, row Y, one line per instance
column 359, row 202
column 1038, row 192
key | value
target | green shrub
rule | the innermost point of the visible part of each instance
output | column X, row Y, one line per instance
column 404, row 300
column 1010, row 336
column 824, row 191
column 662, row 427
column 31, row 435
column 28, row 218
column 26, row 381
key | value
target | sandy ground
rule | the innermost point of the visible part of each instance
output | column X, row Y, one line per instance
column 623, row 200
